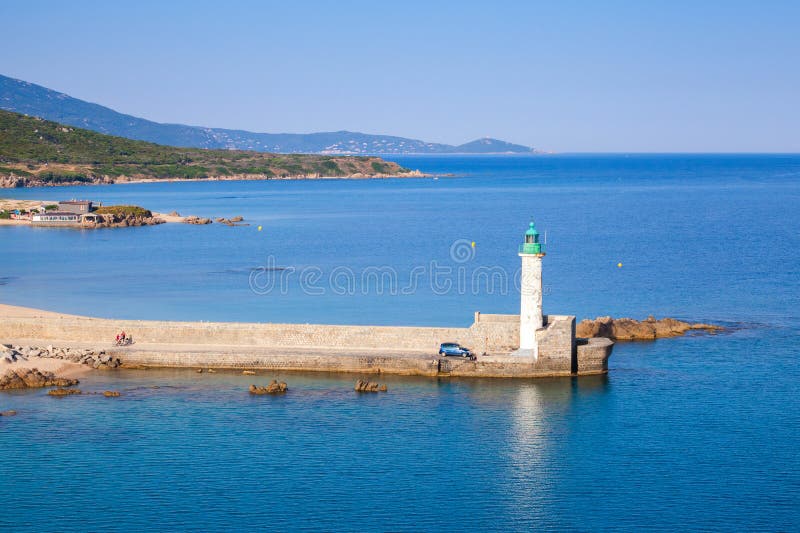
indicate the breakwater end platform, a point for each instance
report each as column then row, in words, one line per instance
column 324, row 348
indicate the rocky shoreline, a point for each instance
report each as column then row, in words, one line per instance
column 16, row 181
column 123, row 221
column 33, row 378
column 98, row 360
column 628, row 329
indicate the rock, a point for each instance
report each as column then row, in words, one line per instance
column 63, row 392
column 274, row 387
column 369, row 386
column 627, row 329
column 174, row 214
column 248, row 373
column 111, row 394
column 237, row 219
column 8, row 413
column 33, row 378
column 199, row 370
column 196, row 220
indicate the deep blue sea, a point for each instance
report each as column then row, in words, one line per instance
column 698, row 432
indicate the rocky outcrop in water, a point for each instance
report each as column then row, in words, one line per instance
column 96, row 359
column 231, row 221
column 64, row 392
column 368, row 386
column 274, row 387
column 196, row 220
column 10, row 412
column 32, row 378
column 123, row 221
column 628, row 329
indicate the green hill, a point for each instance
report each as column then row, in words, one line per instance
column 37, row 152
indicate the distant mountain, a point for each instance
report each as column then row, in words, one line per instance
column 30, row 99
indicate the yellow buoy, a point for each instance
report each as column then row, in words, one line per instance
column 473, row 244
column 259, row 228
column 619, row 265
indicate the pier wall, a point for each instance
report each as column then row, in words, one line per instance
column 488, row 335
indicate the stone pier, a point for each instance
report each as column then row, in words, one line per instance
column 317, row 347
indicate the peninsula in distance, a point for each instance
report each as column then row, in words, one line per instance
column 35, row 152
column 31, row 99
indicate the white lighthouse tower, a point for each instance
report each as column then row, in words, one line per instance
column 530, row 313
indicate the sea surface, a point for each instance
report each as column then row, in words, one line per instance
column 699, row 432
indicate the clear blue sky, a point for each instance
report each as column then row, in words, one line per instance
column 567, row 76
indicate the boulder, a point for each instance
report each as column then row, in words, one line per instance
column 111, row 394
column 8, row 413
column 274, row 387
column 369, row 386
column 33, row 378
column 237, row 219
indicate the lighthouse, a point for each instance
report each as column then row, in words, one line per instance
column 530, row 313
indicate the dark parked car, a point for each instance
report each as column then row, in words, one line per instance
column 451, row 348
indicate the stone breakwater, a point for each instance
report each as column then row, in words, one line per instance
column 319, row 347
column 95, row 359
column 628, row 329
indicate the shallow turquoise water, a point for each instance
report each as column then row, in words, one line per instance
column 697, row 432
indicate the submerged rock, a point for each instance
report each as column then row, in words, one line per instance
column 111, row 394
column 10, row 412
column 274, row 387
column 63, row 392
column 369, row 386
column 628, row 329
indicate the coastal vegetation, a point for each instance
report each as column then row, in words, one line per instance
column 123, row 211
column 37, row 152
